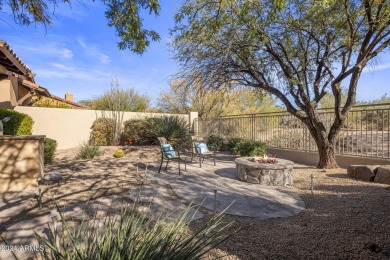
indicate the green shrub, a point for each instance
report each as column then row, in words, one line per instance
column 130, row 235
column 242, row 147
column 102, row 131
column 88, row 150
column 234, row 145
column 20, row 124
column 119, row 153
column 252, row 148
column 175, row 129
column 50, row 146
column 215, row 141
column 137, row 130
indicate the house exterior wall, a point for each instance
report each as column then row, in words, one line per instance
column 71, row 127
column 11, row 92
column 15, row 91
column 5, row 93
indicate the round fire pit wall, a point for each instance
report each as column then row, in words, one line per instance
column 270, row 174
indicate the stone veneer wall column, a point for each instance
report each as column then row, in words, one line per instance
column 21, row 161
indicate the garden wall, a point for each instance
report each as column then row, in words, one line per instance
column 71, row 127
column 312, row 158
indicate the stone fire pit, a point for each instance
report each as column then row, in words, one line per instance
column 270, row 174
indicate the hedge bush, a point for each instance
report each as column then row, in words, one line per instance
column 50, row 146
column 102, row 132
column 20, row 124
column 137, row 130
column 214, row 141
column 234, row 145
column 243, row 147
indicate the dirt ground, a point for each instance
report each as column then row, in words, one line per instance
column 343, row 219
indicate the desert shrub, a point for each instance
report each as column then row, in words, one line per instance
column 175, row 129
column 19, row 124
column 130, row 235
column 119, row 153
column 249, row 148
column 214, row 141
column 50, row 146
column 137, row 129
column 49, row 102
column 234, row 145
column 88, row 150
column 102, row 131
column 253, row 148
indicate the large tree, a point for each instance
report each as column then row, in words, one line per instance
column 297, row 50
column 124, row 15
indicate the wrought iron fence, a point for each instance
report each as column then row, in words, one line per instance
column 366, row 131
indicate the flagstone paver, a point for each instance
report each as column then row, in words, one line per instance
column 203, row 185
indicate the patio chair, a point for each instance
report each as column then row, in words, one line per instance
column 201, row 150
column 168, row 153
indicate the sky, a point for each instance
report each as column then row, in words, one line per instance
column 79, row 54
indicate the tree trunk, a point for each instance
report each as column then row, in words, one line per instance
column 326, row 142
column 326, row 151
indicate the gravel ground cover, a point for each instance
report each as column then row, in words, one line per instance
column 343, row 219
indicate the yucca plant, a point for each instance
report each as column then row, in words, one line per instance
column 131, row 235
column 173, row 128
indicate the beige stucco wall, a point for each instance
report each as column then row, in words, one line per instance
column 21, row 162
column 71, row 127
column 5, row 93
column 8, row 92
column 15, row 94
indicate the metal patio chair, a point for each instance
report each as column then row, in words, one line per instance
column 202, row 150
column 168, row 153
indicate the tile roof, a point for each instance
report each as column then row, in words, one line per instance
column 76, row 105
column 32, row 86
column 10, row 61
column 10, row 54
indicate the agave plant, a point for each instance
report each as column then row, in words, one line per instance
column 131, row 235
column 173, row 128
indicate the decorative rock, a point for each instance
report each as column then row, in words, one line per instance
column 52, row 176
column 270, row 174
column 362, row 172
column 383, row 175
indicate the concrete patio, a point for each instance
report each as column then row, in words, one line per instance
column 199, row 185
column 195, row 186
